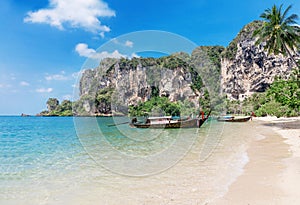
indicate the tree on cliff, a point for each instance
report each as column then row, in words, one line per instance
column 52, row 104
column 279, row 31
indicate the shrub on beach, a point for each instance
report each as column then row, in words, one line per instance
column 272, row 108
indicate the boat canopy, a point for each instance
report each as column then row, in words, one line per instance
column 160, row 118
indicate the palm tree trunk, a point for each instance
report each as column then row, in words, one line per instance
column 291, row 56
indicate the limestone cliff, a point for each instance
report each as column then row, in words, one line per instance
column 247, row 68
column 113, row 87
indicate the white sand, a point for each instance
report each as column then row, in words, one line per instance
column 290, row 178
column 273, row 174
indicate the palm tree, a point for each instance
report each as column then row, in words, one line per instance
column 280, row 32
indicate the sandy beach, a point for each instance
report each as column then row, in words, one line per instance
column 273, row 172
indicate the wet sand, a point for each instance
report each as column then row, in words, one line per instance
column 273, row 172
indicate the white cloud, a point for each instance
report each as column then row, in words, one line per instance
column 60, row 76
column 24, row 83
column 44, row 90
column 102, row 34
column 134, row 55
column 74, row 13
column 83, row 50
column 129, row 44
column 106, row 54
column 126, row 43
column 3, row 85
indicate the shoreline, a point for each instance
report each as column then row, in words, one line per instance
column 272, row 174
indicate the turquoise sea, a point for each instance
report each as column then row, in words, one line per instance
column 66, row 160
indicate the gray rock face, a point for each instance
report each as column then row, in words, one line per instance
column 252, row 69
column 135, row 84
column 176, row 84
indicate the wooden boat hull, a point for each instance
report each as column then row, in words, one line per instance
column 192, row 123
column 244, row 119
column 172, row 124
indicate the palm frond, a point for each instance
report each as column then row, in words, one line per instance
column 279, row 31
column 291, row 19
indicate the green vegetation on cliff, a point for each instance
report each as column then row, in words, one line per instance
column 104, row 99
column 158, row 106
column 206, row 60
column 56, row 109
column 246, row 33
column 177, row 60
column 281, row 99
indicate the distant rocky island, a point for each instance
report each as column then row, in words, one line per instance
column 207, row 78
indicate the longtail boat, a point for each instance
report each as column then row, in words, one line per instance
column 167, row 122
column 233, row 119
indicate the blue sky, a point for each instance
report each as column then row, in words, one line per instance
column 44, row 43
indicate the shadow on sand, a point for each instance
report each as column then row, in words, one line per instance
column 284, row 124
